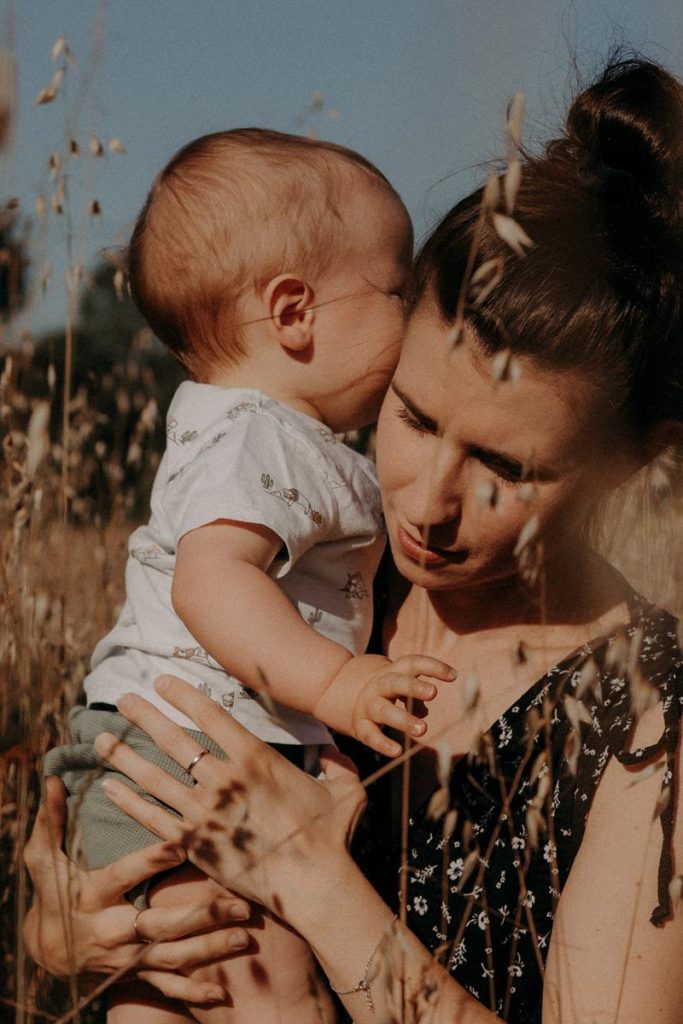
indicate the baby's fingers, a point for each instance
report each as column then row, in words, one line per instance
column 384, row 712
column 422, row 665
column 372, row 736
column 394, row 685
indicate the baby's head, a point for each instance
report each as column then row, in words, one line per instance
column 251, row 238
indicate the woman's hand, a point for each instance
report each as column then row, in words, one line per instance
column 81, row 923
column 251, row 821
column 260, row 826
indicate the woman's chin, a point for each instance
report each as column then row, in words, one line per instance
column 460, row 572
column 436, row 575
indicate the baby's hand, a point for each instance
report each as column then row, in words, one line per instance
column 376, row 705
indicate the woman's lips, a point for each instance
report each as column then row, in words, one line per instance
column 427, row 556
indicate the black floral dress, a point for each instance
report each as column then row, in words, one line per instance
column 488, row 859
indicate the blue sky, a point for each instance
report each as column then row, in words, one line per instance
column 418, row 86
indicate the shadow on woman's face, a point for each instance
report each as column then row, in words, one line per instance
column 466, row 460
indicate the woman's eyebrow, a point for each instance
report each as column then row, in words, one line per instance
column 410, row 405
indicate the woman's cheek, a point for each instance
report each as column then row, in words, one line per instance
column 548, row 506
column 394, row 454
column 498, row 523
column 505, row 526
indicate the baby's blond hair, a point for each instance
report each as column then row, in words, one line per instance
column 230, row 211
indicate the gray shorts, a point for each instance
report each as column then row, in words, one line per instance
column 97, row 831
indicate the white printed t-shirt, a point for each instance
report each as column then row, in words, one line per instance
column 237, row 454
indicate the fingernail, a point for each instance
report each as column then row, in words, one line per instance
column 162, row 684
column 238, row 912
column 453, row 672
column 175, row 855
column 214, row 995
column 238, row 940
column 418, row 728
column 109, row 786
column 105, row 743
column 125, row 703
column 430, row 690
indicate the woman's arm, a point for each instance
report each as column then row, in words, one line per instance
column 257, row 824
column 606, row 961
column 80, row 922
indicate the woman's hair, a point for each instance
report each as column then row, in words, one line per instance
column 601, row 287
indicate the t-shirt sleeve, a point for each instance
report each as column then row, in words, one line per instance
column 254, row 471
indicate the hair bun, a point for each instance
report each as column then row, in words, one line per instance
column 626, row 132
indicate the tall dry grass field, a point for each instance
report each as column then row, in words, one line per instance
column 80, row 431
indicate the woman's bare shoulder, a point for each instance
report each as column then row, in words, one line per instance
column 608, row 959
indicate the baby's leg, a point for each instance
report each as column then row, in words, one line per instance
column 274, row 981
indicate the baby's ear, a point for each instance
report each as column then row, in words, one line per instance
column 289, row 301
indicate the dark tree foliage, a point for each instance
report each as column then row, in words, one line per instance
column 118, row 367
column 13, row 261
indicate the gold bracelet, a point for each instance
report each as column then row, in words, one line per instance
column 364, row 984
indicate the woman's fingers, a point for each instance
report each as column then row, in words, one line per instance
column 338, row 768
column 209, row 716
column 149, row 776
column 48, row 831
column 175, row 986
column 164, row 824
column 117, row 878
column 172, row 923
column 341, row 777
column 177, row 956
column 173, row 740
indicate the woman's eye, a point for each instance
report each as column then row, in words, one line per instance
column 413, row 422
column 509, row 476
column 508, row 472
column 508, row 481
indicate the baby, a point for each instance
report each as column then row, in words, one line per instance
column 273, row 267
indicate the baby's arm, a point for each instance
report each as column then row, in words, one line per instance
column 224, row 596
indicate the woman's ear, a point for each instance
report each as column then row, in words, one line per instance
column 289, row 300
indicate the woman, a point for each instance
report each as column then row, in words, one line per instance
column 542, row 366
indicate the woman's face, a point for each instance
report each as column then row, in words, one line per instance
column 465, row 461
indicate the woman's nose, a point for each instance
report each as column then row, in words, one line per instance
column 436, row 495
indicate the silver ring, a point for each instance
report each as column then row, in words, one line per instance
column 138, row 935
column 195, row 760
